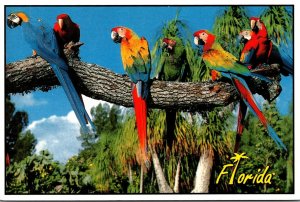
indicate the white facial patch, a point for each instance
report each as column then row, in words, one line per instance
column 196, row 40
column 113, row 34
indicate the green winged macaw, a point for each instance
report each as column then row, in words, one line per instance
column 42, row 39
column 225, row 64
column 137, row 64
column 171, row 66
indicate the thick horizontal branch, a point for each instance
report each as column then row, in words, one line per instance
column 102, row 84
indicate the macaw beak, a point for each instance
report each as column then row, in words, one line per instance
column 116, row 37
column 61, row 23
column 13, row 21
column 164, row 45
column 198, row 41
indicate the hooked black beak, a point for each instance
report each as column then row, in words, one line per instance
column 198, row 41
column 164, row 45
column 11, row 21
column 116, row 37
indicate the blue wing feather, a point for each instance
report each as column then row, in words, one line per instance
column 43, row 40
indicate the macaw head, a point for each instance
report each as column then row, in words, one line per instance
column 245, row 36
column 205, row 38
column 168, row 44
column 64, row 21
column 120, row 33
column 16, row 19
column 256, row 24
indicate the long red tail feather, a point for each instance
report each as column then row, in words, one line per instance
column 247, row 95
column 140, row 108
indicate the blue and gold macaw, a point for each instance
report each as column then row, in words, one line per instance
column 42, row 39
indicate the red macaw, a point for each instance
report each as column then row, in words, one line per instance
column 257, row 48
column 266, row 51
column 216, row 58
column 136, row 60
column 66, row 30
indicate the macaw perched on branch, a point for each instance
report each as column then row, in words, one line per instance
column 276, row 54
column 259, row 49
column 172, row 66
column 66, row 30
column 172, row 63
column 42, row 39
column 216, row 58
column 137, row 63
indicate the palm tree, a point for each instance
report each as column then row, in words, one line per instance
column 214, row 140
column 228, row 26
column 279, row 23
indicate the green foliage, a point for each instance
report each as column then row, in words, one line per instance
column 227, row 27
column 264, row 152
column 35, row 174
column 15, row 122
column 279, row 23
column 25, row 146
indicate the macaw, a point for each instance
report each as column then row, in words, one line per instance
column 267, row 51
column 136, row 60
column 172, row 67
column 66, row 30
column 172, row 62
column 216, row 58
column 42, row 39
column 257, row 48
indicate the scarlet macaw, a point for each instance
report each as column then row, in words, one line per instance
column 276, row 54
column 66, row 30
column 172, row 66
column 137, row 63
column 42, row 39
column 259, row 49
column 216, row 58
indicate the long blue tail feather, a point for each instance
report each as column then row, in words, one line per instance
column 271, row 131
column 74, row 98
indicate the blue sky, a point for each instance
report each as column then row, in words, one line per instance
column 49, row 110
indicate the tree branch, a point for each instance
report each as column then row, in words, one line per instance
column 102, row 84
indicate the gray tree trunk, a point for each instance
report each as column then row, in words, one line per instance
column 130, row 174
column 142, row 180
column 102, row 84
column 163, row 186
column 203, row 173
column 177, row 176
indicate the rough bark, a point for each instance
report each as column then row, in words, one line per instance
column 102, row 84
column 163, row 186
column 203, row 173
column 176, row 184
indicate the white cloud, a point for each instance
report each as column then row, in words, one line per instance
column 59, row 134
column 27, row 100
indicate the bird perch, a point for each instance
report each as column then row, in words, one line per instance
column 99, row 83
